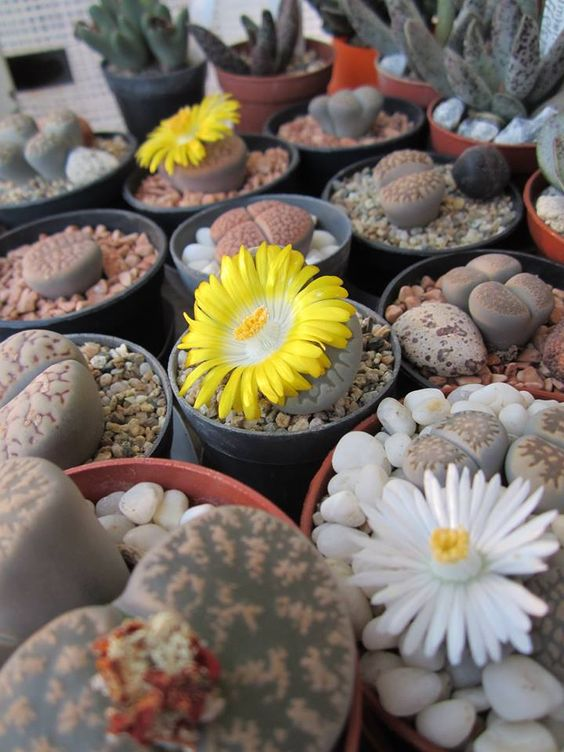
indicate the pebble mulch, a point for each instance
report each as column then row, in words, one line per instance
column 133, row 400
column 262, row 169
column 306, row 130
column 38, row 188
column 550, row 208
column 376, row 369
column 461, row 220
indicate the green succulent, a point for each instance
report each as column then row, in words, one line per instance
column 550, row 151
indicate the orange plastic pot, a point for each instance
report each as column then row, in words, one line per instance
column 418, row 92
column 521, row 158
column 262, row 96
column 549, row 242
column 353, row 66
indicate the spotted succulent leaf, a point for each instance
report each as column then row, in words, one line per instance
column 524, row 61
column 426, row 56
column 507, row 107
column 400, row 12
column 370, row 28
column 551, row 72
column 505, row 24
column 218, row 52
column 477, row 55
column 472, row 10
column 465, row 82
column 550, row 151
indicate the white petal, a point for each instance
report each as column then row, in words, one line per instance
column 418, row 627
column 475, row 640
column 456, row 630
column 531, row 530
column 515, row 616
column 440, row 620
column 480, row 520
column 398, row 615
column 397, row 590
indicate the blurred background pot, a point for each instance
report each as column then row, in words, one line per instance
column 549, row 242
column 353, row 66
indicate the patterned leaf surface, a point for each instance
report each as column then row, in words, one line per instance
column 369, row 27
column 426, row 56
column 466, row 83
column 524, row 62
column 551, row 71
column 505, row 24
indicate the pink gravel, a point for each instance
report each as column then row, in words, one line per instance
column 307, row 131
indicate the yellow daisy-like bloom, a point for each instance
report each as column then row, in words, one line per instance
column 180, row 139
column 265, row 326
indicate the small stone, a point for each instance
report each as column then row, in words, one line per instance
column 197, row 252
column 357, row 603
column 108, row 504
column 338, row 542
column 449, row 113
column 356, row 449
column 171, row 509
column 407, row 691
column 447, row 723
column 396, row 64
column 343, row 508
column 515, row 737
column 86, row 165
column 193, row 512
column 344, row 481
column 474, row 695
column 479, row 130
column 373, row 665
column 396, row 447
column 517, row 131
column 431, row 411
column 203, row 237
column 481, row 172
column 395, row 417
column 116, row 525
column 140, row 502
column 321, row 239
column 144, row 537
column 370, row 482
column 466, row 673
column 514, row 419
column 375, row 638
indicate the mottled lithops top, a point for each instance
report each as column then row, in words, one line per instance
column 496, row 266
column 399, row 163
column 413, row 200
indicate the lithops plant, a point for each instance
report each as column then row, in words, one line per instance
column 259, row 598
column 481, row 172
column 63, row 123
column 549, row 586
column 17, row 128
column 347, row 113
column 54, row 555
column 498, row 267
column 413, row 200
column 223, row 168
column 553, row 351
column 400, row 163
column 47, row 154
column 13, row 166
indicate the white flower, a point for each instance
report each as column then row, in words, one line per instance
column 442, row 563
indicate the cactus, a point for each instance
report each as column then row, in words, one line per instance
column 550, row 151
column 133, row 35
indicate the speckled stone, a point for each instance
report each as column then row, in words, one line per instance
column 434, row 453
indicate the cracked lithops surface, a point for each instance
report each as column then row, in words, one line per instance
column 549, row 586
column 223, row 168
column 400, row 163
column 435, row 454
column 62, row 264
column 498, row 267
column 54, row 555
column 502, row 317
column 413, row 200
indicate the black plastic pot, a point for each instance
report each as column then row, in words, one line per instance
column 374, row 264
column 279, row 465
column 101, row 192
column 329, row 218
column 318, row 165
column 135, row 313
column 170, row 217
column 147, row 98
column 549, row 271
column 161, row 446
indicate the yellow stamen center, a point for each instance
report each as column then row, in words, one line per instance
column 252, row 324
column 449, row 545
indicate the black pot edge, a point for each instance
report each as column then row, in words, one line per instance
column 193, row 68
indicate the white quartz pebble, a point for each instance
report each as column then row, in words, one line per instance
column 539, row 405
column 344, row 481
column 474, row 695
column 514, row 419
column 395, row 417
column 462, row 406
column 199, row 264
column 140, row 502
column 526, row 736
column 343, row 508
column 321, row 238
column 317, row 519
column 339, row 542
column 396, row 447
column 203, row 237
column 108, row 504
column 116, row 525
column 357, row 603
column 144, row 537
column 461, row 393
column 356, row 449
column 498, row 396
column 211, row 268
column 376, row 638
column 372, row 665
column 520, row 689
column 448, row 723
column 382, row 436
column 328, row 250
column 418, row 396
column 171, row 509
column 193, row 512
column 197, row 252
column 406, row 691
column 314, row 256
column 466, row 673
column 370, row 483
column 431, row 411
column 419, row 659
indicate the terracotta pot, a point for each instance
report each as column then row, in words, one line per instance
column 354, row 66
column 201, row 485
column 262, row 96
column 522, row 158
column 549, row 242
column 419, row 92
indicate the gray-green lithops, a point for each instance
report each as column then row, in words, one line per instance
column 13, row 166
column 498, row 267
column 413, row 200
column 64, row 124
column 17, row 128
column 435, row 454
column 47, row 154
column 347, row 113
column 535, row 294
column 549, row 586
column 501, row 316
column 458, row 283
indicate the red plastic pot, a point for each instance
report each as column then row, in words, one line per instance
column 354, row 66
column 522, row 158
column 549, row 242
column 262, row 96
column 419, row 92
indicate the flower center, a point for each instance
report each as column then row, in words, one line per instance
column 251, row 324
column 449, row 545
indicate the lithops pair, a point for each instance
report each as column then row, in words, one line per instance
column 50, row 405
column 274, row 221
column 410, row 188
column 260, row 599
column 222, row 169
column 349, row 113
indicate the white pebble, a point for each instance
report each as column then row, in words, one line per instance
column 382, row 436
column 193, row 512
column 407, row 691
column 144, row 537
column 520, row 689
column 447, row 723
column 317, row 519
column 356, row 449
column 515, row 737
column 171, row 509
column 418, row 396
column 464, row 407
column 539, row 405
column 474, row 695
column 370, row 483
column 116, row 525
column 396, row 447
column 419, row 659
column 357, row 603
column 514, row 419
column 211, row 268
column 199, row 265
column 314, row 256
column 395, row 417
column 375, row 638
column 343, row 508
column 431, row 411
column 108, row 504
column 463, row 392
column 203, row 237
column 373, row 665
column 526, row 397
column 328, row 250
column 321, row 238
column 446, row 683
column 344, row 481
column 140, row 502
column 339, row 542
column 466, row 673
column 196, row 252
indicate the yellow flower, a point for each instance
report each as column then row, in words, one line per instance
column 180, row 139
column 263, row 326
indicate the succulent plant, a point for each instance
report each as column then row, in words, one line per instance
column 348, row 113
column 272, row 44
column 133, row 35
column 550, row 151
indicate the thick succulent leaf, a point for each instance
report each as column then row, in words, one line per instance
column 373, row 31
column 251, row 29
column 550, row 73
column 426, row 56
column 217, row 52
column 491, row 5
column 460, row 28
column 524, row 62
column 549, row 150
column 477, row 56
column 401, row 11
column 508, row 107
column 505, row 24
column 552, row 24
column 446, row 13
column 465, row 82
column 263, row 54
column 288, row 26
column 529, row 8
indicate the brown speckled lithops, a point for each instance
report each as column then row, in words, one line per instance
column 553, row 353
column 246, row 233
column 458, row 283
column 501, row 316
column 223, row 168
column 400, row 163
column 226, row 222
column 436, row 454
column 535, row 294
column 284, row 224
column 413, row 200
column 496, row 266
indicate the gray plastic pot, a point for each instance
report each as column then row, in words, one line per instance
column 329, row 217
column 279, row 465
column 161, row 445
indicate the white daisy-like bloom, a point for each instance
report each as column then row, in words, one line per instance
column 442, row 563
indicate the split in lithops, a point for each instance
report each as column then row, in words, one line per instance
column 347, row 113
column 550, row 203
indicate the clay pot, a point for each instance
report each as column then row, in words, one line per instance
column 549, row 242
column 418, row 92
column 262, row 96
column 522, row 158
column 354, row 66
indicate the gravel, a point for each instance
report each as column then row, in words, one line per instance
column 307, row 131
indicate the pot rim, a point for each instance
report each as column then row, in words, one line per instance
column 155, row 75
column 535, row 183
column 423, row 85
